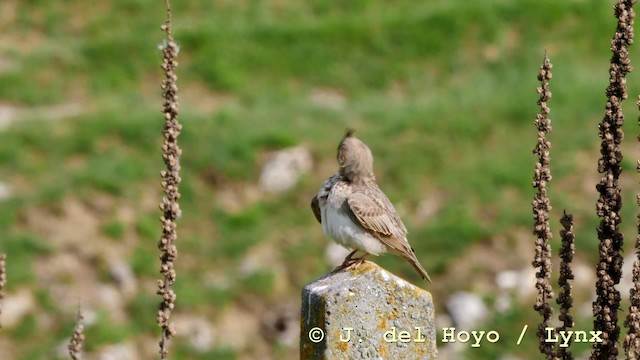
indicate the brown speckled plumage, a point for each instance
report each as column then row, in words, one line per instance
column 355, row 213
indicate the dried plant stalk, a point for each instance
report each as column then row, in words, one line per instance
column 609, row 270
column 77, row 339
column 541, row 208
column 170, row 181
column 3, row 280
column 565, row 298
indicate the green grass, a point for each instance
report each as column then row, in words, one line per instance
column 139, row 309
column 442, row 91
column 114, row 229
column 260, row 282
column 105, row 331
column 22, row 250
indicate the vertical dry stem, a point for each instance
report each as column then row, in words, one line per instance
column 541, row 208
column 77, row 339
column 170, row 181
column 565, row 298
column 609, row 269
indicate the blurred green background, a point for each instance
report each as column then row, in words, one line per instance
column 442, row 91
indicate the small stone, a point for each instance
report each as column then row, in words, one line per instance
column 328, row 99
column 123, row 351
column 507, row 280
column 7, row 115
column 283, row 169
column 467, row 310
column 199, row 332
column 124, row 276
column 16, row 306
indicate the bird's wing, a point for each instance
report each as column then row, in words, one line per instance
column 375, row 213
column 372, row 209
column 315, row 207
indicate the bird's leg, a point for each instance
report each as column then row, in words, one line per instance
column 348, row 261
column 356, row 262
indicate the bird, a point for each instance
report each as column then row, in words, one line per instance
column 355, row 213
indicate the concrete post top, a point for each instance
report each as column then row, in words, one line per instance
column 365, row 272
column 366, row 313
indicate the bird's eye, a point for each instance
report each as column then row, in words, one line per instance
column 340, row 156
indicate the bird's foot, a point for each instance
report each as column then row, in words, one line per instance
column 355, row 263
column 350, row 263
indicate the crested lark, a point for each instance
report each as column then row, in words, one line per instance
column 355, row 213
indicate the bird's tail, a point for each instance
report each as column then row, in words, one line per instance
column 416, row 264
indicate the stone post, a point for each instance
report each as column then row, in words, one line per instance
column 366, row 313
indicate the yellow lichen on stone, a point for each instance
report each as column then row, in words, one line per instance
column 363, row 304
column 343, row 346
column 383, row 350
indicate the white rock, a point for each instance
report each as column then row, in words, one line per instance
column 526, row 282
column 197, row 330
column 509, row 282
column 125, row 351
column 467, row 310
column 124, row 276
column 508, row 279
column 328, row 99
column 5, row 191
column 283, row 169
column 16, row 306
column 7, row 115
column 585, row 275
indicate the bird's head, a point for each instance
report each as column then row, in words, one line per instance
column 355, row 159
